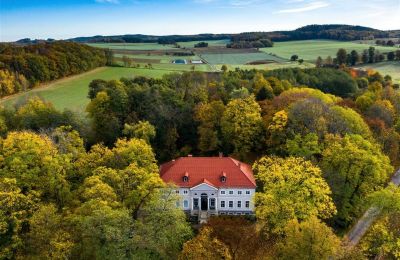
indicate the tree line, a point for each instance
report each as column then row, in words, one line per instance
column 24, row 67
column 353, row 58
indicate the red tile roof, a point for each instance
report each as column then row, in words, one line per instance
column 208, row 170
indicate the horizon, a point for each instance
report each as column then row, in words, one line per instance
column 62, row 19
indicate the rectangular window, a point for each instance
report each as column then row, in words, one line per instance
column 239, row 192
column 239, row 204
column 212, row 204
column 222, row 192
column 231, row 192
column 247, row 192
column 247, row 204
column 222, row 203
column 185, row 192
column 195, row 203
column 185, row 204
column 231, row 204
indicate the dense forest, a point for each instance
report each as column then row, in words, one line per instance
column 24, row 67
column 323, row 144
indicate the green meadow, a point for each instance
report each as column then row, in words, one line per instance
column 71, row 93
column 239, row 58
column 309, row 50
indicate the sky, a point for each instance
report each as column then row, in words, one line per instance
column 62, row 19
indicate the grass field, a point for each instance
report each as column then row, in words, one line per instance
column 270, row 66
column 391, row 68
column 309, row 50
column 161, row 58
column 238, row 58
column 216, row 43
column 133, row 46
column 72, row 92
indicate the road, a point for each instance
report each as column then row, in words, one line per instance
column 364, row 223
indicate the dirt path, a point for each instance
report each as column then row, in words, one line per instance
column 364, row 223
column 52, row 83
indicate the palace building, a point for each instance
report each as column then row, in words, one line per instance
column 211, row 185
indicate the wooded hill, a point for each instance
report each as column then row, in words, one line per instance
column 329, row 31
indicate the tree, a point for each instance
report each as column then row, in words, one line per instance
column 294, row 57
column 162, row 227
column 341, row 56
column 34, row 162
column 142, row 130
column 398, row 55
column 319, row 62
column 354, row 57
column 391, row 56
column 290, row 188
column 241, row 125
column 127, row 61
column 306, row 147
column 371, row 54
column 209, row 116
column 224, row 68
column 47, row 238
column 310, row 239
column 203, row 246
column 329, row 61
column 354, row 168
column 15, row 210
column 102, row 231
column 240, row 235
column 365, row 56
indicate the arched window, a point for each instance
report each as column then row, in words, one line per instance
column 185, row 178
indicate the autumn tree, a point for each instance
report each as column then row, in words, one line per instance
column 291, row 188
column 204, row 246
column 241, row 125
column 310, row 239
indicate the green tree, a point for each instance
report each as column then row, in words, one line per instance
column 142, row 130
column 354, row 168
column 290, row 188
column 209, row 116
column 341, row 56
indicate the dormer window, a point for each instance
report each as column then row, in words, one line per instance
column 186, row 177
column 223, row 177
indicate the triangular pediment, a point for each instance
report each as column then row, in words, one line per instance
column 203, row 187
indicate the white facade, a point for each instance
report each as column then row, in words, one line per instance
column 223, row 201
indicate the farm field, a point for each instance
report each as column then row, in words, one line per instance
column 238, row 58
column 309, row 50
column 270, row 66
column 142, row 58
column 71, row 93
column 133, row 46
column 216, row 43
column 391, row 68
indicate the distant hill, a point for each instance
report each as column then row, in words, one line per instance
column 328, row 31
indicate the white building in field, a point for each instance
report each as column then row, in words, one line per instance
column 211, row 185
